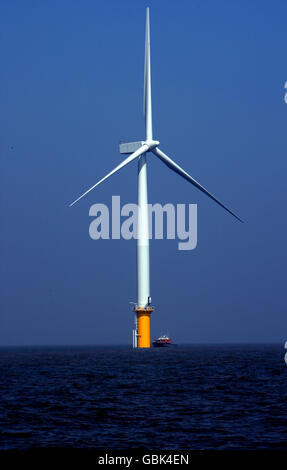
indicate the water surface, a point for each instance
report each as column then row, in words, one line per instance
column 190, row 397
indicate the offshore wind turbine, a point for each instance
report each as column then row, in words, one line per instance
column 138, row 151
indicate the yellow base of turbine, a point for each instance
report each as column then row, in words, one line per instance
column 143, row 326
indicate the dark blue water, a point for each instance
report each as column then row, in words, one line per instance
column 197, row 397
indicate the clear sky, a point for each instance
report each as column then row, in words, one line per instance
column 71, row 89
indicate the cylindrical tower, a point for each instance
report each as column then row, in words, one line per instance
column 143, row 309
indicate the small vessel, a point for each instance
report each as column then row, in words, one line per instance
column 163, row 342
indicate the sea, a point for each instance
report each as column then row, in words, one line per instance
column 217, row 397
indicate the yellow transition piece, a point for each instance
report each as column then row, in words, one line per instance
column 143, row 329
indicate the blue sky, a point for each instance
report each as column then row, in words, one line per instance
column 71, row 89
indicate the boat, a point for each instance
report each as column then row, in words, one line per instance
column 163, row 342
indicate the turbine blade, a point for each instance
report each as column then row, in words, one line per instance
column 147, row 81
column 173, row 166
column 134, row 155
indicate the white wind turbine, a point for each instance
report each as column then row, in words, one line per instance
column 139, row 150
